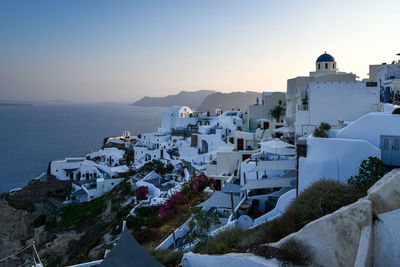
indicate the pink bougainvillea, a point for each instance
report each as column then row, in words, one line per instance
column 189, row 190
column 141, row 192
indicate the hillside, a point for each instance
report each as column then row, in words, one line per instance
column 191, row 99
column 228, row 100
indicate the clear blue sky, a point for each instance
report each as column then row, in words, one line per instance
column 122, row 50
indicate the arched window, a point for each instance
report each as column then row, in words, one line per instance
column 326, row 65
column 319, row 66
column 333, row 65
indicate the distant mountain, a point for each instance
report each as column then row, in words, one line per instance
column 4, row 102
column 184, row 98
column 227, row 101
column 8, row 103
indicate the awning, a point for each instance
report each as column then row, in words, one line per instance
column 269, row 183
column 128, row 252
column 275, row 165
column 229, row 187
column 220, row 200
column 284, row 130
column 278, row 147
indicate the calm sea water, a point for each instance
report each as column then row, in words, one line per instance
column 32, row 136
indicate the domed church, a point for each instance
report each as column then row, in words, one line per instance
column 325, row 62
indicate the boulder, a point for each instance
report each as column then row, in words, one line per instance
column 385, row 194
column 387, row 239
column 333, row 240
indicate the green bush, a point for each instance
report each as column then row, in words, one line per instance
column 222, row 248
column 146, row 211
column 167, row 257
column 200, row 225
column 277, row 112
column 77, row 213
column 144, row 216
column 321, row 198
column 129, row 159
column 322, row 130
column 157, row 166
column 295, row 252
column 304, row 101
column 325, row 126
column 370, row 171
column 135, row 222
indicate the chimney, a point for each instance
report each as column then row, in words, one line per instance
column 340, row 123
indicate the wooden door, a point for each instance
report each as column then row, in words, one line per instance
column 240, row 144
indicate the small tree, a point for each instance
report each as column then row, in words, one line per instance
column 200, row 225
column 318, row 132
column 304, row 102
column 322, row 130
column 129, row 159
column 371, row 170
column 276, row 113
column 325, row 126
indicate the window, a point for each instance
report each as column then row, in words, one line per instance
column 333, row 65
column 326, row 65
column 280, row 102
column 319, row 66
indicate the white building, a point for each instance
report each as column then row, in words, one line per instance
column 110, row 156
column 75, row 169
column 326, row 70
column 388, row 79
column 330, row 101
column 339, row 157
column 88, row 191
column 261, row 110
column 178, row 117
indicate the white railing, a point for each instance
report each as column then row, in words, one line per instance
column 87, row 264
column 280, row 207
column 179, row 233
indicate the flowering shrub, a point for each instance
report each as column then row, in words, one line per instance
column 190, row 191
column 141, row 192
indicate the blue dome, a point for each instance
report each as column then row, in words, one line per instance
column 325, row 58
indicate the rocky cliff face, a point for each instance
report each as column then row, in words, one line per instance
column 33, row 214
column 16, row 226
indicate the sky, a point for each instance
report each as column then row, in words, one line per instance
column 94, row 50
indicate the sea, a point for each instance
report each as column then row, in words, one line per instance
column 32, row 136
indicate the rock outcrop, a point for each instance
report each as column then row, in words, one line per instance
column 365, row 233
column 387, row 239
column 350, row 237
column 15, row 227
column 334, row 239
column 385, row 194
